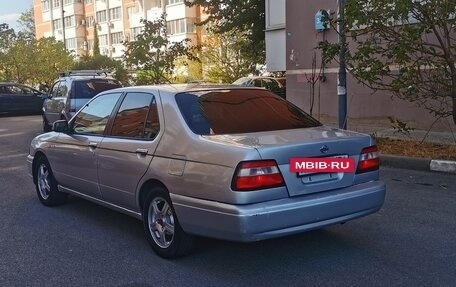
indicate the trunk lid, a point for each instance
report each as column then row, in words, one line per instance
column 313, row 142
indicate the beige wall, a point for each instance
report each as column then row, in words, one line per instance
column 301, row 40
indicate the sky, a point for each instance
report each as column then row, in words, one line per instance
column 11, row 10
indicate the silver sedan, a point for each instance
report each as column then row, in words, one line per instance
column 232, row 163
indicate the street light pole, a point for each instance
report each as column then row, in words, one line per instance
column 63, row 23
column 342, row 75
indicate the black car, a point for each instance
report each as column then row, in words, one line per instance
column 20, row 99
column 269, row 83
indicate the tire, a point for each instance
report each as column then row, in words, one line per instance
column 46, row 185
column 46, row 126
column 162, row 228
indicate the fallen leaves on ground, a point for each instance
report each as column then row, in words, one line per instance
column 413, row 148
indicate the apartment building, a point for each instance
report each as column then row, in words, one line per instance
column 76, row 22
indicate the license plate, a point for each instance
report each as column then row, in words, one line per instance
column 301, row 174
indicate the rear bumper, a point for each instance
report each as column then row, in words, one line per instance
column 277, row 218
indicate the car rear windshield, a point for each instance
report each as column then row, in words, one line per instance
column 87, row 89
column 240, row 111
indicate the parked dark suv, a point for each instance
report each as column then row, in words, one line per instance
column 72, row 91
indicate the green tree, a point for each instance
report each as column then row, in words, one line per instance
column 154, row 53
column 222, row 58
column 34, row 61
column 7, row 39
column 101, row 62
column 27, row 23
column 49, row 59
column 404, row 47
column 96, row 41
column 239, row 16
column 18, row 65
column 30, row 61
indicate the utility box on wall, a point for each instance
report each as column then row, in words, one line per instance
column 321, row 20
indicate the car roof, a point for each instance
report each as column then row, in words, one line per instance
column 259, row 77
column 182, row 88
column 16, row 84
column 86, row 74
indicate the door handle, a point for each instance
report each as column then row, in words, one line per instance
column 142, row 151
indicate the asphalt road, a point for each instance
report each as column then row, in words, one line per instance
column 410, row 242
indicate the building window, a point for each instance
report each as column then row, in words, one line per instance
column 90, row 44
column 131, row 11
column 103, row 40
column 89, row 21
column 71, row 44
column 117, row 38
column 69, row 21
column 101, row 16
column 135, row 32
column 155, row 4
column 45, row 5
column 171, row 2
column 66, row 2
column 114, row 13
column 176, row 26
column 55, row 3
column 57, row 24
column 191, row 27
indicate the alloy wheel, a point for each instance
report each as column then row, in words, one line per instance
column 161, row 222
column 43, row 181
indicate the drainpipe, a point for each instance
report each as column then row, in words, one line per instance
column 108, row 19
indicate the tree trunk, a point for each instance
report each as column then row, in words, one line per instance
column 454, row 108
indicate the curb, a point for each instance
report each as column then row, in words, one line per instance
column 423, row 164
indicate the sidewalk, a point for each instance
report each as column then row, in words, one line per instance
column 383, row 129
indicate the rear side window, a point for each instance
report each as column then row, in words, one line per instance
column 88, row 88
column 240, row 111
column 137, row 117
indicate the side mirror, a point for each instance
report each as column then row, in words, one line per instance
column 60, row 126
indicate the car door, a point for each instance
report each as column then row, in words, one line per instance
column 126, row 152
column 73, row 155
column 31, row 101
column 5, row 100
column 17, row 101
column 56, row 101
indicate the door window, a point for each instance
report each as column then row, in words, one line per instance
column 137, row 117
column 14, row 90
column 92, row 119
column 59, row 89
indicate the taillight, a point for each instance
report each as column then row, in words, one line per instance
column 368, row 160
column 254, row 175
